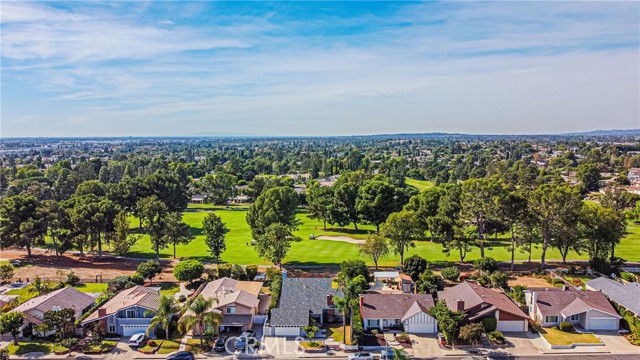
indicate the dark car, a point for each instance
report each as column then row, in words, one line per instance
column 220, row 344
column 243, row 339
column 181, row 355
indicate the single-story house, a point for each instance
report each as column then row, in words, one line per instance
column 300, row 300
column 589, row 309
column 241, row 303
column 65, row 298
column 478, row 302
column 129, row 312
column 625, row 295
column 394, row 311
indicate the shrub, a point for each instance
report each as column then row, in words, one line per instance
column 499, row 280
column 484, row 280
column 72, row 279
column 487, row 264
column 149, row 269
column 182, row 298
column 6, row 273
column 628, row 276
column 577, row 282
column 212, row 273
column 69, row 343
column 489, row 324
column 555, row 281
column 414, row 266
column 152, row 343
column 251, row 271
column 517, row 293
column 188, row 270
column 137, row 279
column 565, row 326
column 496, row 336
column 403, row 337
column 451, row 273
column 224, row 270
column 472, row 333
column 119, row 283
column 238, row 273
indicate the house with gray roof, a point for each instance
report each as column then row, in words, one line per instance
column 409, row 312
column 625, row 295
column 303, row 299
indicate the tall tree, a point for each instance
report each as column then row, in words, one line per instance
column 276, row 205
column 176, row 231
column 275, row 242
column 514, row 208
column 401, row 228
column 163, row 316
column 374, row 247
column 154, row 211
column 480, row 199
column 122, row 240
column 11, row 323
column 376, row 201
column 215, row 231
column 425, row 206
column 552, row 204
column 20, row 222
column 319, row 199
column 589, row 176
column 219, row 188
column 200, row 315
column 601, row 229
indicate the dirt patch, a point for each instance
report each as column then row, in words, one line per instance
column 88, row 267
column 529, row 281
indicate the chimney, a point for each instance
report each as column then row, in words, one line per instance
column 102, row 312
column 460, row 305
column 284, row 273
column 329, row 300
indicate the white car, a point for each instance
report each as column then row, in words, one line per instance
column 136, row 340
column 361, row 356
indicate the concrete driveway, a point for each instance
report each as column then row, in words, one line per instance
column 425, row 345
column 616, row 343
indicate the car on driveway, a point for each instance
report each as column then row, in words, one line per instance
column 361, row 356
column 136, row 340
column 243, row 339
column 181, row 355
column 221, row 341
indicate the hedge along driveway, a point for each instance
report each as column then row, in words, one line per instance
column 324, row 252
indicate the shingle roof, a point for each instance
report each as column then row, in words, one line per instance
column 394, row 306
column 570, row 303
column 236, row 319
column 474, row 295
column 147, row 298
column 627, row 295
column 65, row 298
column 300, row 297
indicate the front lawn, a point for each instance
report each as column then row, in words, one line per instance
column 337, row 333
column 168, row 289
column 25, row 347
column 193, row 345
column 98, row 348
column 557, row 337
column 169, row 346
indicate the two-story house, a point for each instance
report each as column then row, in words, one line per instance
column 129, row 312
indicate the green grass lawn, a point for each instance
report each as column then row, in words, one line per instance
column 92, row 288
column 557, row 337
column 337, row 333
column 311, row 252
column 25, row 293
column 25, row 347
column 193, row 345
column 169, row 346
column 168, row 289
column 419, row 184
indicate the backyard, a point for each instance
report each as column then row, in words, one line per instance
column 28, row 292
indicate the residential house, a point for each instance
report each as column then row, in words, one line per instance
column 478, row 302
column 589, row 309
column 634, row 175
column 409, row 312
column 129, row 312
column 65, row 298
column 302, row 299
column 7, row 299
column 625, row 295
column 391, row 282
column 240, row 302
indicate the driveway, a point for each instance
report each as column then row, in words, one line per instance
column 425, row 345
column 616, row 343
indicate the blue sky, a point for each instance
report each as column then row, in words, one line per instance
column 317, row 68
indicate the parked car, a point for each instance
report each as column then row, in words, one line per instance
column 137, row 340
column 220, row 343
column 241, row 343
column 361, row 356
column 389, row 355
column 16, row 263
column 181, row 355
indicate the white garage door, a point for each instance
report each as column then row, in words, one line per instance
column 128, row 330
column 603, row 324
column 287, row 331
column 420, row 328
column 511, row 326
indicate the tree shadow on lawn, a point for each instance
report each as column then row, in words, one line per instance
column 195, row 231
column 347, row 231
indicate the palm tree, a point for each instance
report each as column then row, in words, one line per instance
column 163, row 315
column 201, row 314
column 39, row 287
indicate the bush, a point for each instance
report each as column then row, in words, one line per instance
column 149, row 269
column 628, row 276
column 555, row 281
column 69, row 343
column 496, row 337
column 472, row 333
column 137, row 279
column 224, row 270
column 188, row 270
column 182, row 298
column 565, row 326
column 6, row 273
column 517, row 293
column 414, row 266
column 489, row 324
column 238, row 273
column 487, row 264
column 499, row 280
column 152, row 343
column 251, row 271
column 72, row 279
column 451, row 273
column 484, row 280
column 119, row 283
column 403, row 337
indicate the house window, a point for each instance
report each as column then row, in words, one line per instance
column 575, row 317
column 231, row 309
column 112, row 328
column 373, row 323
column 131, row 313
column 551, row 319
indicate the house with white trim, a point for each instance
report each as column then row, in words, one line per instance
column 407, row 312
